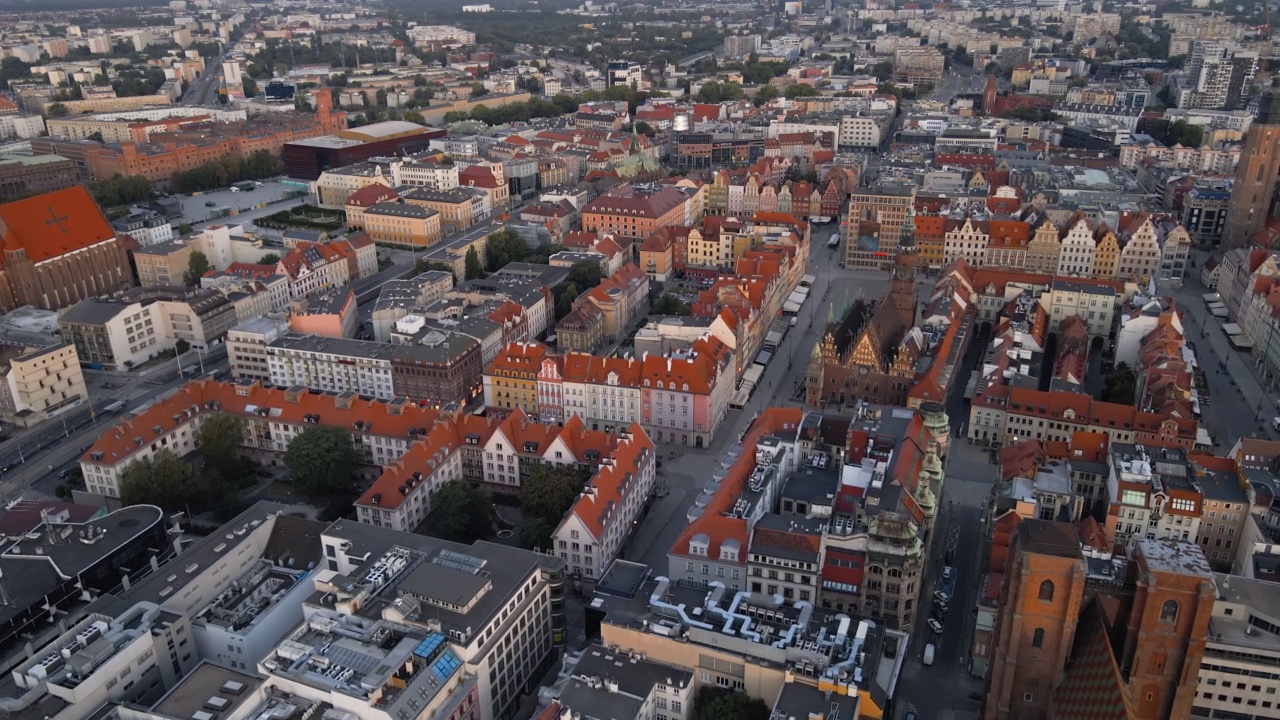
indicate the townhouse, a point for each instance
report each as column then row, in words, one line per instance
column 680, row 398
column 511, row 378
column 592, row 533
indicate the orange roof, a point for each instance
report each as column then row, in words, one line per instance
column 279, row 405
column 616, row 479
column 371, row 195
column 712, row 522
column 518, row 358
column 53, row 224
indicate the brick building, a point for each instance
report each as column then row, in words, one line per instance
column 633, row 212
column 185, row 148
column 58, row 250
column 27, row 174
column 1048, row 659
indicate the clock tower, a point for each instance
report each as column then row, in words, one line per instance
column 902, row 290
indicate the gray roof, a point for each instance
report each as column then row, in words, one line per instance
column 287, row 541
column 455, row 195
column 333, row 346
column 92, row 312
column 408, row 210
column 599, row 702
column 43, row 566
column 634, row 676
column 507, row 568
column 207, row 680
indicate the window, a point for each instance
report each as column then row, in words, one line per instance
column 1037, row 638
column 1046, row 591
column 1169, row 611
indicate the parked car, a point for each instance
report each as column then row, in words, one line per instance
column 935, row 626
column 941, row 597
column 948, row 572
column 210, row 203
column 928, row 654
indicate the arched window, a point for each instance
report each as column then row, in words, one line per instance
column 1169, row 611
column 1037, row 638
column 1046, row 591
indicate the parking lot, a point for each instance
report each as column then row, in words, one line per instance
column 209, row 205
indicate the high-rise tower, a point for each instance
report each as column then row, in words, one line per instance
column 1255, row 173
column 903, row 287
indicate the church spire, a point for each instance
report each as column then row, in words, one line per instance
column 907, row 238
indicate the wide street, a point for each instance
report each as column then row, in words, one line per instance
column 1240, row 404
column 204, row 91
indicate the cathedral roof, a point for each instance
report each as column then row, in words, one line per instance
column 53, row 224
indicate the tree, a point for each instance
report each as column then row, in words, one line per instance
column 56, row 110
column 181, row 347
column 1121, row 384
column 184, row 229
column 586, row 274
column 645, row 128
column 882, row 70
column 669, row 304
column 95, row 136
column 478, row 90
column 550, row 490
column 323, row 462
column 714, row 703
column 537, row 534
column 414, row 116
column 798, row 90
column 12, row 68
column 473, row 268
column 505, row 247
column 565, row 294
column 462, row 513
column 121, row 190
column 250, row 86
column 765, row 94
column 197, row 266
column 163, row 479
column 269, row 259
column 219, row 439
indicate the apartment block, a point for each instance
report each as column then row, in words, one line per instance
column 39, row 382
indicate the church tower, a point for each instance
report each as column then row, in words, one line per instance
column 1255, row 181
column 902, row 291
column 989, row 96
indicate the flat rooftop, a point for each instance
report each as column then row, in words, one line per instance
column 1175, row 556
column 207, row 687
column 505, row 571
column 816, row 644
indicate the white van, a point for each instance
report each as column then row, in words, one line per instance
column 928, row 654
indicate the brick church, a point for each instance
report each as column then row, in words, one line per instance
column 57, row 249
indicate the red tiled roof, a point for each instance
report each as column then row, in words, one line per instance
column 712, row 522
column 371, row 195
column 379, row 417
column 52, row 224
column 614, row 481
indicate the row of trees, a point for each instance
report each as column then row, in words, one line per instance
column 121, row 190
column 228, row 169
